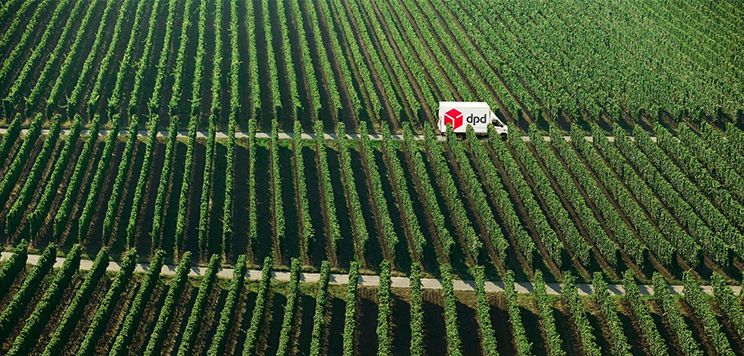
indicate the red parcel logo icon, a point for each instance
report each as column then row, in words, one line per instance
column 454, row 118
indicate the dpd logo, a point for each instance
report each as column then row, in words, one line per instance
column 454, row 118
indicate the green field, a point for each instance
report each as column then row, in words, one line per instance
column 299, row 135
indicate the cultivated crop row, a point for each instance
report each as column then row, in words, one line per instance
column 150, row 313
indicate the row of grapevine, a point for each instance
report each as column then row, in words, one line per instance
column 5, row 7
column 112, row 208
column 79, row 301
column 655, row 242
column 153, row 103
column 352, row 196
column 365, row 75
column 24, row 294
column 345, row 73
column 255, row 89
column 71, row 192
column 319, row 316
column 96, row 328
column 405, row 85
column 625, row 237
column 125, row 65
column 727, row 150
column 688, row 164
column 395, row 38
column 447, row 30
column 161, row 193
column 35, row 323
column 713, row 188
column 289, row 67
column 523, row 345
column 17, row 20
column 618, row 340
column 306, row 60
column 488, row 337
column 407, row 29
column 233, row 79
column 679, row 327
column 203, row 229
column 417, row 311
column 555, row 209
column 693, row 197
column 326, row 188
column 193, row 121
column 290, row 308
column 384, row 345
column 228, row 311
column 174, row 113
column 12, row 266
column 53, row 180
column 31, row 22
column 183, row 195
column 104, row 68
column 430, row 40
column 372, row 54
column 12, row 220
column 134, row 315
column 545, row 232
column 398, row 179
column 61, row 82
column 444, row 180
column 259, row 309
column 307, row 233
column 640, row 310
column 276, row 187
column 735, row 137
column 73, row 99
column 685, row 245
column 178, row 68
column 350, row 311
column 15, row 93
column 486, row 73
column 716, row 165
column 475, row 192
column 425, row 184
column 728, row 302
column 270, row 58
column 86, row 216
column 322, row 55
column 607, row 247
column 552, row 337
column 576, row 308
column 215, row 107
column 175, row 289
column 704, row 312
column 252, row 209
column 495, row 186
column 378, row 200
column 11, row 175
column 197, row 311
column 11, row 134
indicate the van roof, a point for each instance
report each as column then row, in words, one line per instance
column 464, row 104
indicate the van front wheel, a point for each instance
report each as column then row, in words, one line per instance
column 503, row 137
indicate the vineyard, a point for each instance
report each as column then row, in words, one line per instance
column 279, row 138
column 186, row 62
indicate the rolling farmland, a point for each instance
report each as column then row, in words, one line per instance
column 299, row 137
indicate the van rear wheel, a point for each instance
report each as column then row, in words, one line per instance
column 503, row 137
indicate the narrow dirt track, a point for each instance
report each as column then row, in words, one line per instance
column 366, row 280
column 267, row 135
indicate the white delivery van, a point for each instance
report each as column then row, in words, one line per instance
column 463, row 114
